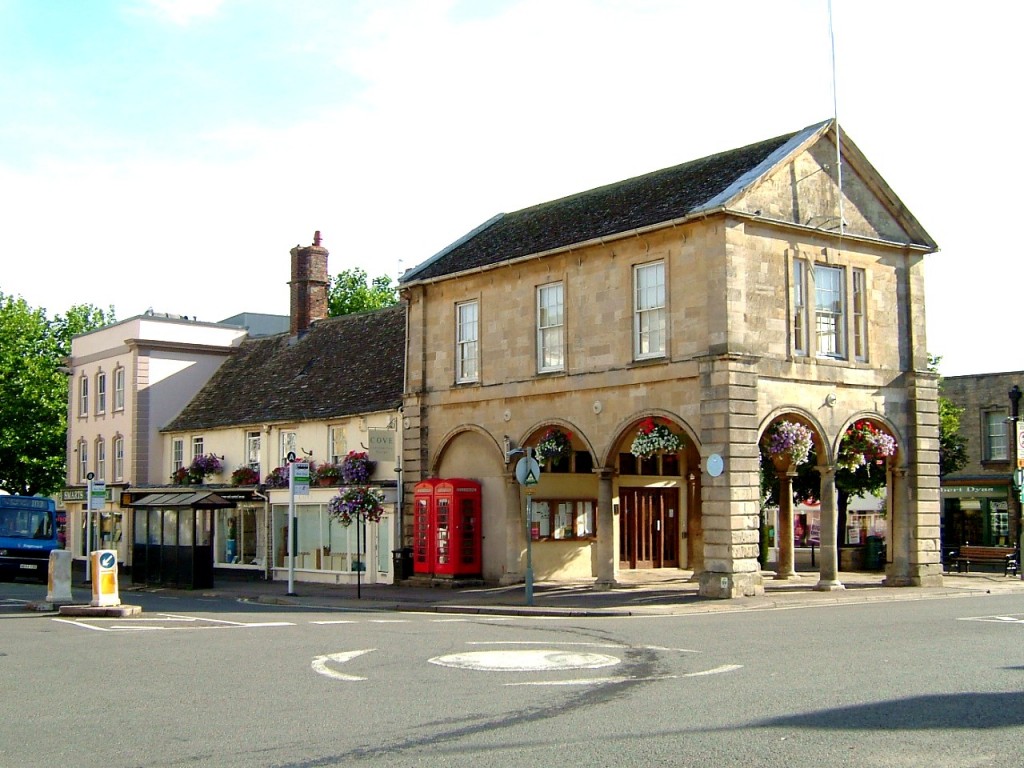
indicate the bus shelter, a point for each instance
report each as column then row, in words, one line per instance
column 173, row 538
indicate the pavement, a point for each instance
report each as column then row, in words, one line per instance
column 641, row 592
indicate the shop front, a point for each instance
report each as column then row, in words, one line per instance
column 327, row 550
column 975, row 513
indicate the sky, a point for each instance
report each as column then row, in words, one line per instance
column 168, row 154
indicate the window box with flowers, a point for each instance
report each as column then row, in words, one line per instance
column 356, row 502
column 653, row 438
column 357, row 468
column 197, row 472
column 245, row 476
column 327, row 474
column 862, row 444
column 789, row 443
column 277, row 478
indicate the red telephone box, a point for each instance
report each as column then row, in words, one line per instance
column 447, row 535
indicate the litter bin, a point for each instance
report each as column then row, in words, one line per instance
column 402, row 560
column 873, row 553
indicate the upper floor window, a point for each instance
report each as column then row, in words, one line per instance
column 177, row 454
column 253, row 444
column 197, row 446
column 338, row 444
column 83, row 460
column 996, row 446
column 649, row 310
column 467, row 337
column 799, row 307
column 860, row 316
column 101, row 459
column 829, row 311
column 550, row 327
column 83, row 395
column 119, row 389
column 101, row 393
column 118, row 458
column 289, row 444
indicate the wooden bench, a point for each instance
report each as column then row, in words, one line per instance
column 969, row 555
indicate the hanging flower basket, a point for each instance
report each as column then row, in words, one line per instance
column 864, row 443
column 653, row 438
column 356, row 468
column 789, row 441
column 245, row 476
column 357, row 501
column 555, row 444
column 205, row 465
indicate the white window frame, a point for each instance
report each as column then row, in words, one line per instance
column 799, row 327
column 253, row 449
column 118, row 458
column 198, row 446
column 101, row 393
column 289, row 444
column 83, row 460
column 994, row 422
column 177, row 454
column 859, row 314
column 467, row 342
column 101, row 459
column 830, row 311
column 83, row 395
column 649, row 311
column 337, row 444
column 119, row 388
column 551, row 327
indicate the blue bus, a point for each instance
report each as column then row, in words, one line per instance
column 28, row 533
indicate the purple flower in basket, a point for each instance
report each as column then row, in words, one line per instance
column 356, row 468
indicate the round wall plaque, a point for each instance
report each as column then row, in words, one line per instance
column 715, row 465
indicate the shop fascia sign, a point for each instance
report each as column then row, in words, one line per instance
column 972, row 490
column 78, row 494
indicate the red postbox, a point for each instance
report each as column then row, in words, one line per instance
column 447, row 536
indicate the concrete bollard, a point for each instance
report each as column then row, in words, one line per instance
column 58, row 578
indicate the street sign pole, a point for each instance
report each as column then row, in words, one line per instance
column 88, row 528
column 528, row 475
column 291, row 524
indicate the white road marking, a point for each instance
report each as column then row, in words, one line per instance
column 338, row 621
column 320, row 663
column 716, row 670
column 1017, row 618
column 540, row 660
column 389, row 621
column 608, row 680
column 82, row 624
column 589, row 645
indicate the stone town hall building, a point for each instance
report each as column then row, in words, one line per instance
column 716, row 297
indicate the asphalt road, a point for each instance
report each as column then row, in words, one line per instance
column 214, row 682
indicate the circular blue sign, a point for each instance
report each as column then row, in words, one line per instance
column 107, row 560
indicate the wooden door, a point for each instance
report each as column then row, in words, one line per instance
column 648, row 527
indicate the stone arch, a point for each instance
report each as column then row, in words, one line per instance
column 449, row 438
column 879, row 420
column 822, row 445
column 576, row 432
column 630, row 423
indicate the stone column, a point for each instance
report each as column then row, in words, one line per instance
column 897, row 570
column 605, row 549
column 828, row 571
column 515, row 532
column 785, row 531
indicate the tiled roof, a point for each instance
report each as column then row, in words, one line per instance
column 647, row 200
column 341, row 366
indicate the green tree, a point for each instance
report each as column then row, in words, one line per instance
column 351, row 291
column 952, row 444
column 34, row 392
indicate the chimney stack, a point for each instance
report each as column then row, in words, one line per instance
column 309, row 285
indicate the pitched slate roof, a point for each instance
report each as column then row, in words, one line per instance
column 341, row 366
column 654, row 198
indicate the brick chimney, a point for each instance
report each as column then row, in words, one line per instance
column 309, row 285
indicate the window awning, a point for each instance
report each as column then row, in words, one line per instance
column 191, row 499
